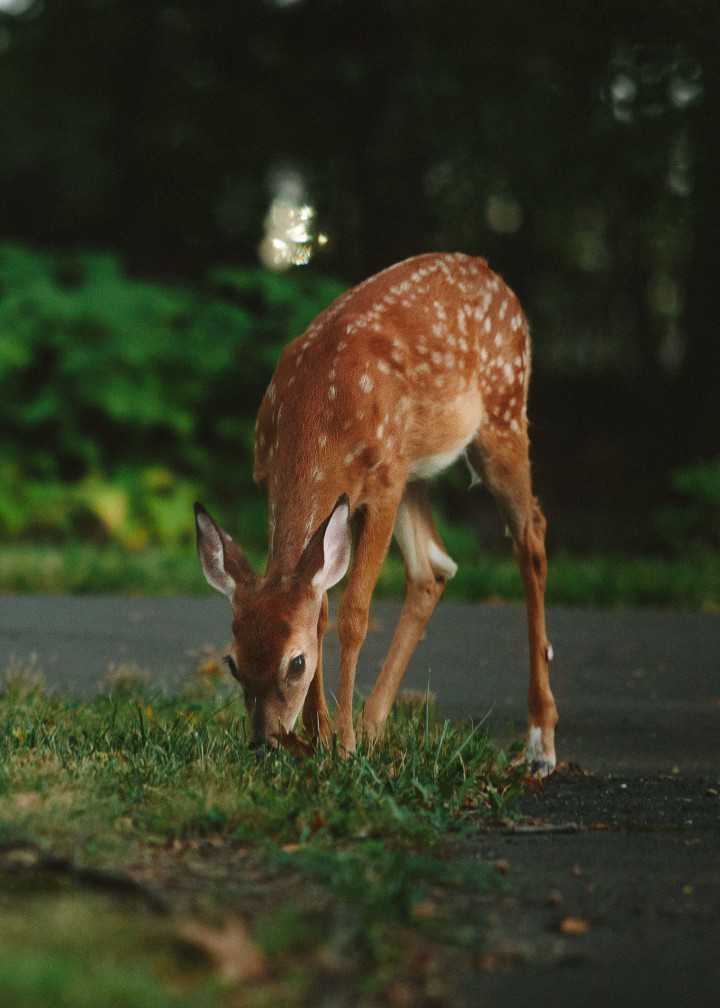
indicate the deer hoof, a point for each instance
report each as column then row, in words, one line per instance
column 346, row 742
column 540, row 761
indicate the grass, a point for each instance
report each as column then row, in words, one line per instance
column 608, row 580
column 276, row 876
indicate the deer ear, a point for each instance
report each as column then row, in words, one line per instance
column 327, row 556
column 224, row 566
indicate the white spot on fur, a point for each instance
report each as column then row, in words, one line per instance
column 357, row 450
column 366, row 383
column 332, row 392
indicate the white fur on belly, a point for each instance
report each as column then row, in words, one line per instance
column 431, row 465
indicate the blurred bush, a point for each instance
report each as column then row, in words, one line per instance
column 693, row 520
column 121, row 400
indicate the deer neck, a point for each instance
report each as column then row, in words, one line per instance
column 296, row 508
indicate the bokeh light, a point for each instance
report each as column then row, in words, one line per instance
column 290, row 235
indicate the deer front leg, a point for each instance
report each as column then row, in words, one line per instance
column 427, row 570
column 373, row 539
column 315, row 713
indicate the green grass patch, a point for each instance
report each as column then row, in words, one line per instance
column 609, row 580
column 130, row 767
column 340, row 865
column 77, row 950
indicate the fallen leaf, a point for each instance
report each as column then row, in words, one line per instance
column 290, row 848
column 26, row 800
column 424, row 910
column 570, row 769
column 20, row 857
column 502, row 865
column 317, row 821
column 234, row 953
column 210, row 667
column 401, row 994
column 574, row 926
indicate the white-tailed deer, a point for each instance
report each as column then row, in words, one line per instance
column 388, row 386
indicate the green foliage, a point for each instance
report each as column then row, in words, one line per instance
column 694, row 521
column 120, row 399
column 607, row 580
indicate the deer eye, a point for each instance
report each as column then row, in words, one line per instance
column 230, row 662
column 296, row 666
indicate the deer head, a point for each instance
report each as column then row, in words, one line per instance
column 275, row 619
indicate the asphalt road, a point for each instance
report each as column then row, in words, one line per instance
column 629, row 834
column 637, row 690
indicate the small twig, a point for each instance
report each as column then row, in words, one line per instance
column 529, row 829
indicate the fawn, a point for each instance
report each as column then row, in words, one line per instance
column 396, row 379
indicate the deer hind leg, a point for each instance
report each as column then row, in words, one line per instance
column 374, row 531
column 315, row 712
column 427, row 570
column 505, row 466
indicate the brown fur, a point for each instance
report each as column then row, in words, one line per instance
column 388, row 385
